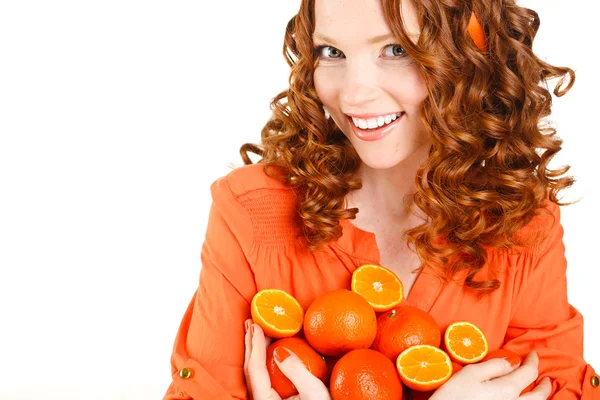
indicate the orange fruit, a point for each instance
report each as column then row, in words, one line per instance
column 424, row 367
column 310, row 358
column 465, row 342
column 365, row 374
column 277, row 312
column 339, row 321
column 416, row 395
column 379, row 286
column 402, row 327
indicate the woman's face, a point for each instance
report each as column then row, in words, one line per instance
column 364, row 73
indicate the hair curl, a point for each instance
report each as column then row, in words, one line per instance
column 490, row 146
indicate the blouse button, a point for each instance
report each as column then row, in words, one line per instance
column 595, row 381
column 185, row 373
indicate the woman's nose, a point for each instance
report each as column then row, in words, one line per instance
column 359, row 85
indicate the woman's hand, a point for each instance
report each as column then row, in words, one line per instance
column 257, row 377
column 495, row 379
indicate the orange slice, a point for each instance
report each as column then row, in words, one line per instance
column 379, row 286
column 424, row 367
column 465, row 342
column 277, row 312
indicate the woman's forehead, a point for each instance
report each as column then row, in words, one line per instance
column 364, row 18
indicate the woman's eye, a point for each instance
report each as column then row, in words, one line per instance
column 328, row 52
column 393, row 50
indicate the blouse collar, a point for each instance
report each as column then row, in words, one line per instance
column 362, row 245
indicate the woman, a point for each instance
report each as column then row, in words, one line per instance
column 420, row 122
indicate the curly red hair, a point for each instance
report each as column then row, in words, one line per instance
column 487, row 172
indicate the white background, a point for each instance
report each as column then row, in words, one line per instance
column 115, row 117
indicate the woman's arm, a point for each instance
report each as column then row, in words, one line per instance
column 544, row 320
column 208, row 354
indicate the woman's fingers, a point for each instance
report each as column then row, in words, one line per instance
column 257, row 375
column 522, row 377
column 247, row 343
column 267, row 341
column 247, row 351
column 541, row 392
column 488, row 370
column 255, row 365
column 308, row 385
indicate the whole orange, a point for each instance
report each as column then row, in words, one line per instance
column 309, row 357
column 403, row 327
column 365, row 374
column 339, row 321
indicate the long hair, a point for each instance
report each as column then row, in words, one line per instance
column 487, row 173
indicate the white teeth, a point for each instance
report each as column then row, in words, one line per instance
column 376, row 121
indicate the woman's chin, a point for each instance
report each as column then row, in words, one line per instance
column 381, row 161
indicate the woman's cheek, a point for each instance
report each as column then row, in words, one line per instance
column 324, row 85
column 406, row 85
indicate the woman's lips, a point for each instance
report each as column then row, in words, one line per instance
column 370, row 135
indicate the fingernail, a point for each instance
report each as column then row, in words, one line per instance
column 251, row 330
column 247, row 325
column 281, row 354
column 513, row 361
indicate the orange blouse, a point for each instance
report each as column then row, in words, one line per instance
column 252, row 243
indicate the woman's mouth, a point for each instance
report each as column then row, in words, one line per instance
column 371, row 129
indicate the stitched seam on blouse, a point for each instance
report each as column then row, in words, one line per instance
column 252, row 241
column 273, row 220
column 235, row 197
column 240, row 196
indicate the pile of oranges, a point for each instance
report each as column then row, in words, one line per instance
column 362, row 342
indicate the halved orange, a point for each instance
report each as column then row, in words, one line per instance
column 424, row 367
column 379, row 286
column 465, row 342
column 277, row 312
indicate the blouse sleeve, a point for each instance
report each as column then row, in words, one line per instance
column 208, row 354
column 544, row 320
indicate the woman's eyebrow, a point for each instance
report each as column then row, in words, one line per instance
column 373, row 40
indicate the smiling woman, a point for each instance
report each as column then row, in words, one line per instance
column 362, row 78
column 413, row 136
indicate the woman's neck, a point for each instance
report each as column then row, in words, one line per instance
column 384, row 190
